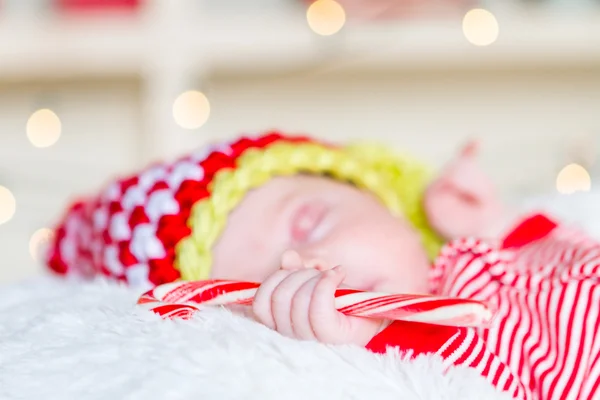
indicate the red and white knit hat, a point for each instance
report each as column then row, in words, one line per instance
column 159, row 226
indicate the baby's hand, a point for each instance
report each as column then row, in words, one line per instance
column 298, row 301
column 462, row 201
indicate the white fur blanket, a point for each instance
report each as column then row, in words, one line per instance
column 60, row 341
column 66, row 341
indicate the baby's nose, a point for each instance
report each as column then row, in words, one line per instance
column 320, row 263
column 314, row 255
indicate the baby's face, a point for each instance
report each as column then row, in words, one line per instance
column 321, row 218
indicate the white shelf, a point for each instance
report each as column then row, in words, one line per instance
column 54, row 48
column 552, row 41
column 528, row 120
column 279, row 41
column 171, row 46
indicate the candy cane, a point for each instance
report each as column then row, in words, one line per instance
column 182, row 299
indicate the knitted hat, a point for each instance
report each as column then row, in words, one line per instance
column 159, row 226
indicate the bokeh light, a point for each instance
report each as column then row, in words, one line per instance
column 43, row 128
column 573, row 178
column 8, row 205
column 480, row 27
column 191, row 109
column 325, row 17
column 39, row 242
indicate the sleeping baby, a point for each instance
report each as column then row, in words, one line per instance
column 305, row 217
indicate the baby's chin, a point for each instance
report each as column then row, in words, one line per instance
column 405, row 286
column 384, row 286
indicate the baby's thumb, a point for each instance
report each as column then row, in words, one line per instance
column 291, row 260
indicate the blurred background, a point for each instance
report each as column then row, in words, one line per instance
column 90, row 89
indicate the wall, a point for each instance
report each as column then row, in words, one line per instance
column 529, row 122
column 100, row 137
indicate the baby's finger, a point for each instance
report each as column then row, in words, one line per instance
column 300, row 310
column 323, row 316
column 281, row 299
column 261, row 306
column 291, row 260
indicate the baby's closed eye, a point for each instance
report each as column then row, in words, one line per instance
column 307, row 221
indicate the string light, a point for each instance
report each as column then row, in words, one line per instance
column 573, row 178
column 325, row 17
column 191, row 109
column 8, row 205
column 43, row 128
column 480, row 27
column 38, row 242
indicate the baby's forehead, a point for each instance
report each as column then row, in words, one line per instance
column 309, row 181
column 303, row 183
column 273, row 195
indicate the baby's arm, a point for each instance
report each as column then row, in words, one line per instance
column 543, row 278
column 456, row 346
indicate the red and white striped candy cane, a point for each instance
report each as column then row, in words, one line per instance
column 183, row 299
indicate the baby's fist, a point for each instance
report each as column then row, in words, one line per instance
column 463, row 201
column 298, row 301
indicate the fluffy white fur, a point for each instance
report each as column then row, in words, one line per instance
column 62, row 341
column 66, row 341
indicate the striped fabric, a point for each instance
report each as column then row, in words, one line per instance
column 543, row 282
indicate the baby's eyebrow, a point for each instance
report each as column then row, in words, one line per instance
column 284, row 200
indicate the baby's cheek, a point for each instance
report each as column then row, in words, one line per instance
column 381, row 271
column 392, row 262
